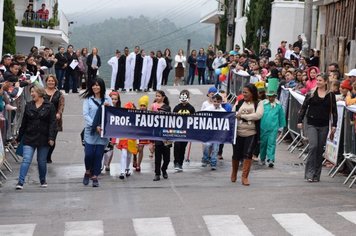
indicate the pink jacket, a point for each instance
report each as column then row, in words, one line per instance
column 311, row 84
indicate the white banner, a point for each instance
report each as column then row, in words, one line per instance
column 332, row 147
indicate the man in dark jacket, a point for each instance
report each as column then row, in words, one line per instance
column 71, row 70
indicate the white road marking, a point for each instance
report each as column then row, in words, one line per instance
column 79, row 228
column 300, row 224
column 226, row 225
column 17, row 230
column 154, row 226
column 173, row 91
column 349, row 215
column 195, row 91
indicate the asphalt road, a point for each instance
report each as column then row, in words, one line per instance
column 197, row 201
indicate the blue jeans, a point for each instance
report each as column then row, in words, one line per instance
column 191, row 76
column 28, row 152
column 217, row 82
column 210, row 150
column 93, row 158
column 60, row 75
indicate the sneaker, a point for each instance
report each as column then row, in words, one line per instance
column 122, row 176
column 95, row 183
column 204, row 164
column 19, row 186
column 176, row 166
column 262, row 163
column 127, row 172
column 164, row 174
column 43, row 184
column 213, row 168
column 180, row 168
column 156, row 178
column 270, row 163
column 86, row 179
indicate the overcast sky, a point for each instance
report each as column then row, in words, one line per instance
column 177, row 10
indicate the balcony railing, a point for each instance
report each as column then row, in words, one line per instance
column 38, row 20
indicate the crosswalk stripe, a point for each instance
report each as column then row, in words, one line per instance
column 17, row 229
column 195, row 91
column 154, row 226
column 226, row 225
column 78, row 228
column 300, row 224
column 173, row 91
column 349, row 215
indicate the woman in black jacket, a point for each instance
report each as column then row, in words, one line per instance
column 37, row 132
column 60, row 66
column 318, row 106
column 93, row 63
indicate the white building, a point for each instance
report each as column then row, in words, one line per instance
column 1, row 25
column 287, row 23
column 240, row 22
column 28, row 35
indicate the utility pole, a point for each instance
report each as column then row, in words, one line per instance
column 230, row 25
column 186, row 67
column 307, row 26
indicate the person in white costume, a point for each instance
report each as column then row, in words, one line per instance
column 130, row 68
column 114, row 63
column 160, row 68
column 146, row 71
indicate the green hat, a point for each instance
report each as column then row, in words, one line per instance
column 272, row 87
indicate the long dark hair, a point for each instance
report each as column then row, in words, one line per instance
column 89, row 91
column 165, row 98
column 253, row 90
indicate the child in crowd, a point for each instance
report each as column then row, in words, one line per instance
column 109, row 150
column 162, row 151
column 273, row 119
column 345, row 88
column 143, row 105
column 335, row 87
column 290, row 79
column 211, row 149
column 209, row 102
column 127, row 147
column 228, row 108
column 351, row 96
column 183, row 108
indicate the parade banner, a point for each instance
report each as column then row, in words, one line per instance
column 332, row 147
column 215, row 127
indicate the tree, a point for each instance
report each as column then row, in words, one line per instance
column 223, row 29
column 258, row 15
column 9, row 45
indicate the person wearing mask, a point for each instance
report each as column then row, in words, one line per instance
column 318, row 106
column 249, row 112
column 183, row 108
column 93, row 63
column 37, row 132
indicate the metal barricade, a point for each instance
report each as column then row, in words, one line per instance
column 349, row 148
column 236, row 82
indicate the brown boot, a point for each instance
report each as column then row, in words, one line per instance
column 235, row 167
column 245, row 171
